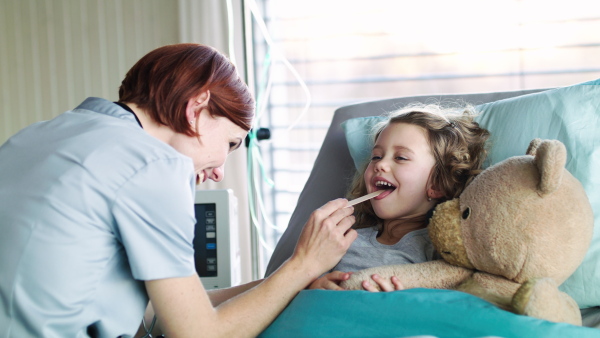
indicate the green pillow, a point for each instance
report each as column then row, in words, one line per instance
column 414, row 312
column 568, row 114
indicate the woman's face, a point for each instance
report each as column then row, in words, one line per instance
column 401, row 163
column 218, row 138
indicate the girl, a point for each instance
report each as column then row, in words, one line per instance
column 422, row 156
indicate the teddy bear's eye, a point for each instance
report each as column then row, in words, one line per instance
column 466, row 213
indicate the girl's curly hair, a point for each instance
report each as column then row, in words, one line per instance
column 458, row 145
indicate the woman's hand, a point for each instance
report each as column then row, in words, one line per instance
column 383, row 284
column 330, row 281
column 325, row 238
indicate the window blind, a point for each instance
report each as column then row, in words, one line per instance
column 353, row 51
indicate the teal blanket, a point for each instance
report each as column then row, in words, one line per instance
column 438, row 313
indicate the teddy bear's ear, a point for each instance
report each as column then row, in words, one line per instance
column 533, row 145
column 550, row 159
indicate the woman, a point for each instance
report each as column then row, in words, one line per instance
column 97, row 210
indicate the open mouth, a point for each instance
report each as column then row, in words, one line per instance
column 384, row 185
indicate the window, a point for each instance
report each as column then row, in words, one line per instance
column 347, row 51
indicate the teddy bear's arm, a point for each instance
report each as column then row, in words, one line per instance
column 434, row 275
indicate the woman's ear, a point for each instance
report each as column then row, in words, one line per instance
column 196, row 104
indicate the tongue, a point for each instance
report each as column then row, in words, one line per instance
column 384, row 194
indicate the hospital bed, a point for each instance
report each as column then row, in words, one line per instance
column 570, row 114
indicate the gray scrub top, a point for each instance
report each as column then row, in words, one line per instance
column 90, row 207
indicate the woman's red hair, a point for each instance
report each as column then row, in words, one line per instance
column 164, row 80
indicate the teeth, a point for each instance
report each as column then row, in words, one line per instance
column 383, row 183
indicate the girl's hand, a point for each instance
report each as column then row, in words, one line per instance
column 330, row 281
column 383, row 284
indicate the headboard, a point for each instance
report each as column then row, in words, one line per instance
column 334, row 168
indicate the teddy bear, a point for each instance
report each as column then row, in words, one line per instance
column 516, row 232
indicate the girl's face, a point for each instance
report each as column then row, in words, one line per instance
column 218, row 138
column 401, row 163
